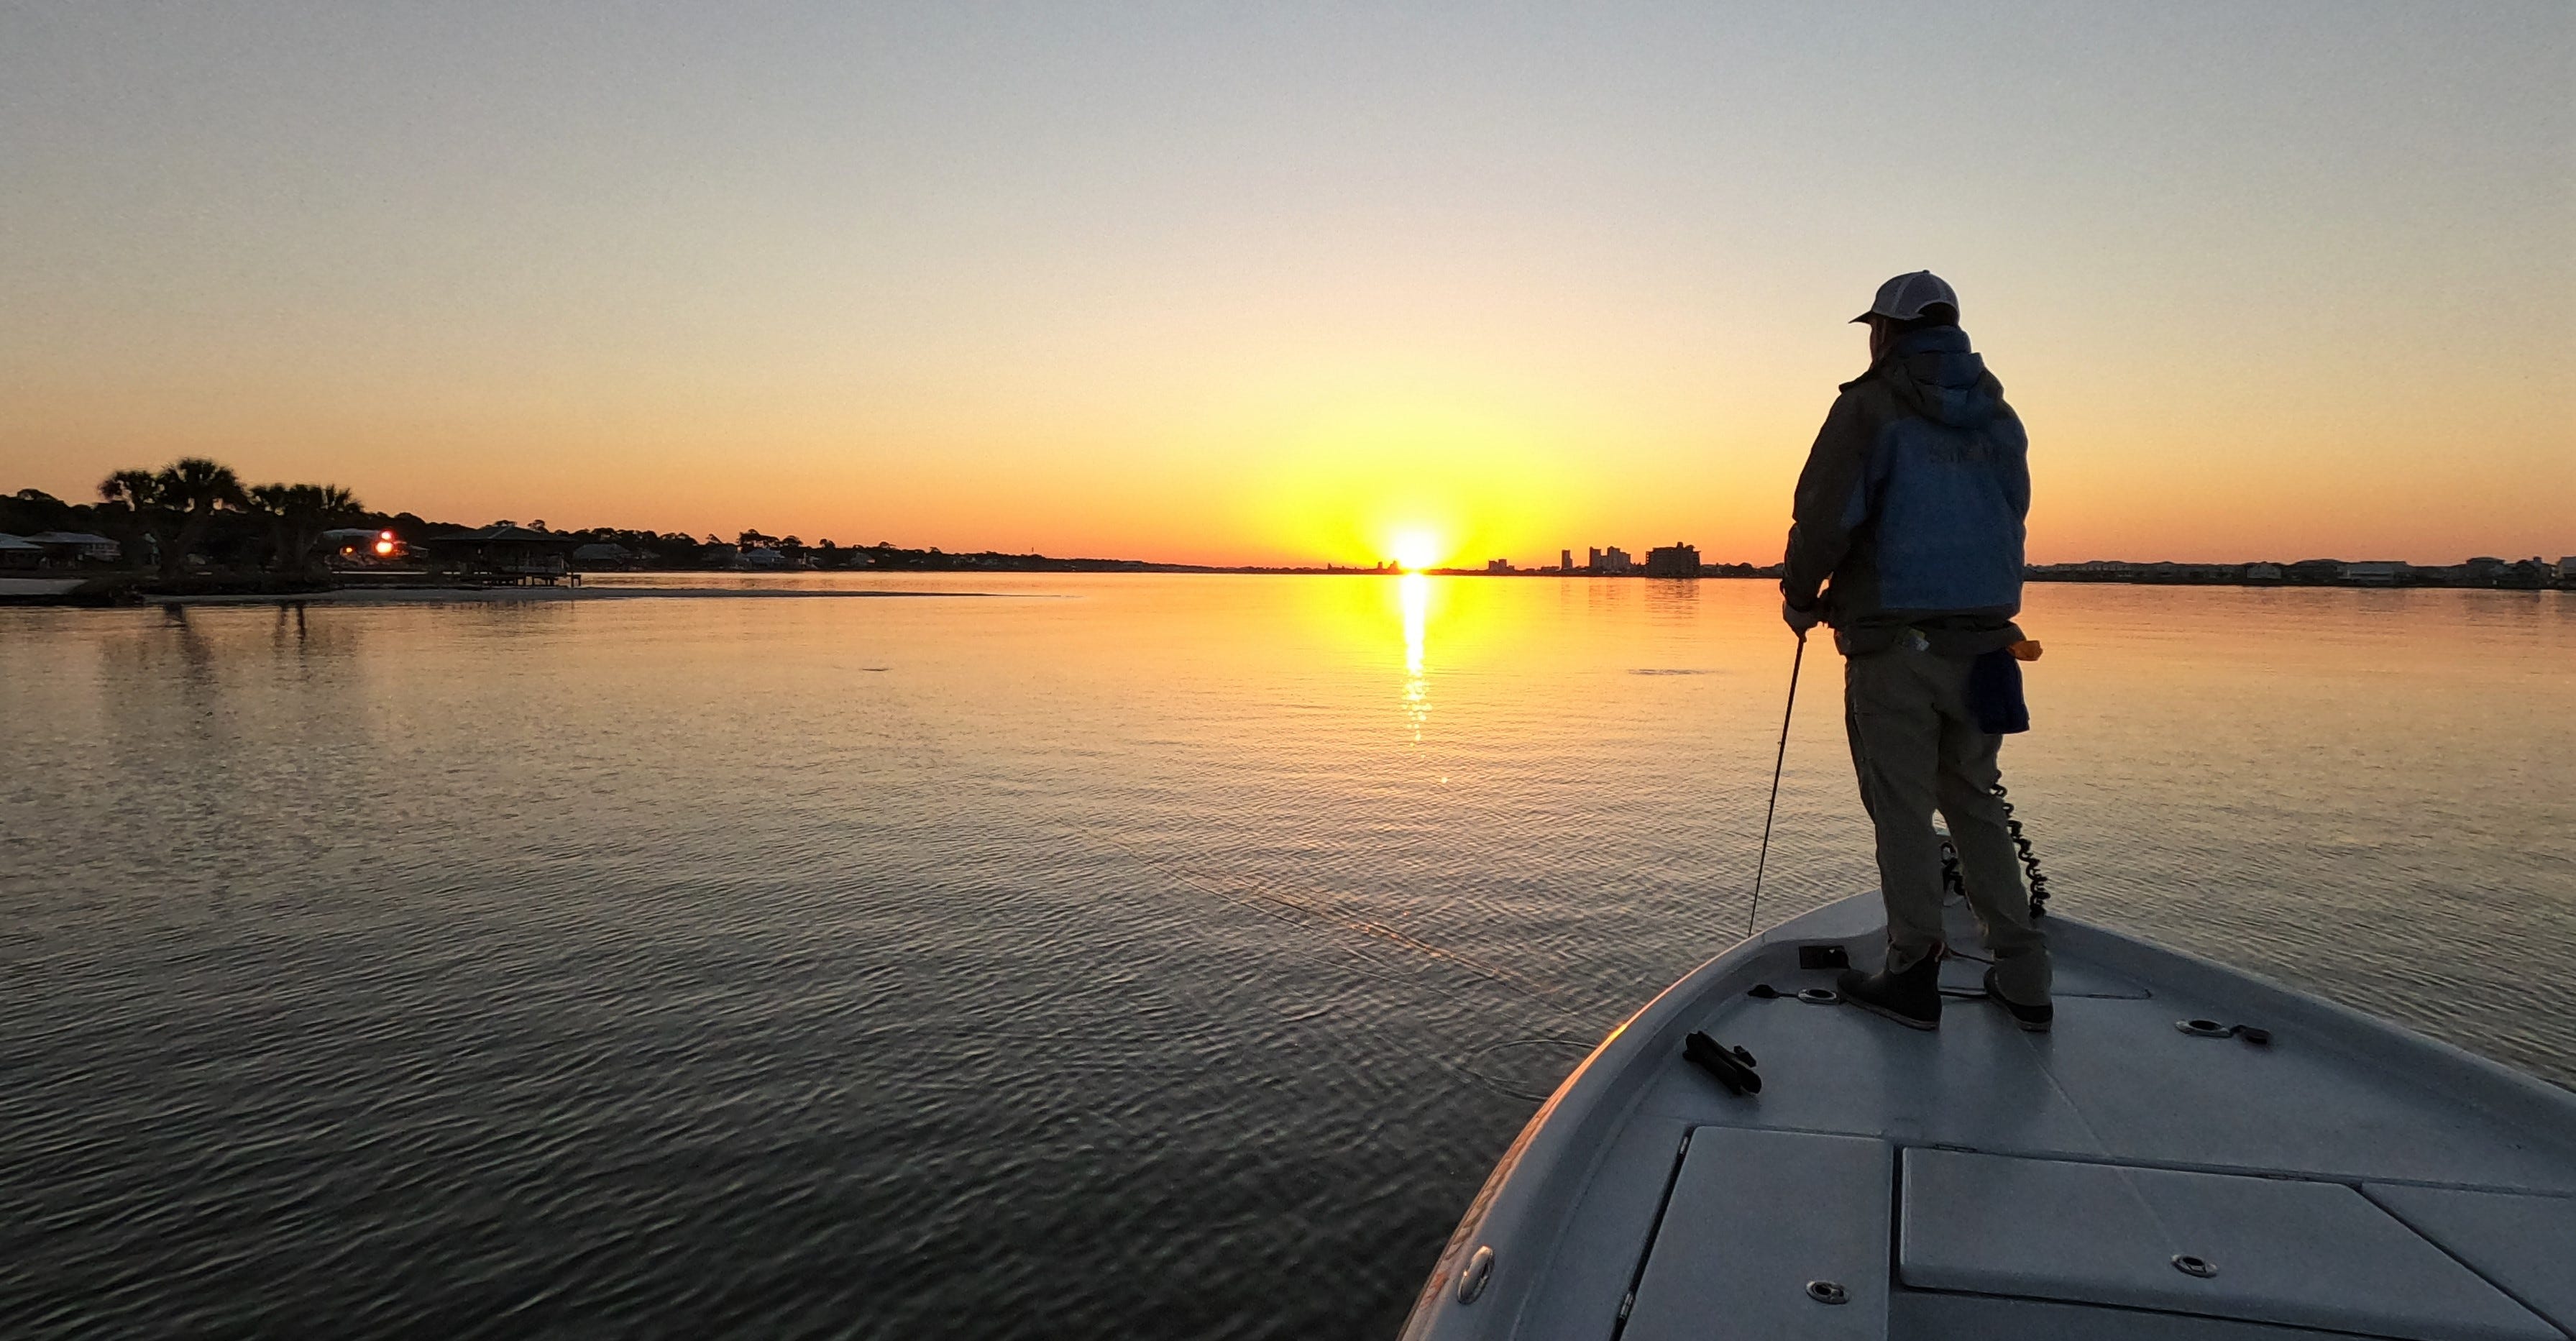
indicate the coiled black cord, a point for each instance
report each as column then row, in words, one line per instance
column 2029, row 859
column 1955, row 884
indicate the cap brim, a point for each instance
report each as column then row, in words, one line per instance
column 1862, row 317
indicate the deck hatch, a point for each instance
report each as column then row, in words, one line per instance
column 2525, row 1243
column 2298, row 1253
column 1763, row 1231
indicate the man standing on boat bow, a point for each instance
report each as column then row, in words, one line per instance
column 1908, row 542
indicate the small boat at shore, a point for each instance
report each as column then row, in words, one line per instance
column 2192, row 1154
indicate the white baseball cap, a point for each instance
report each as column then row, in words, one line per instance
column 1904, row 297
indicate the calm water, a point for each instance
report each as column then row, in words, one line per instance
column 1126, row 956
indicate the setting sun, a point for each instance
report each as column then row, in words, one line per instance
column 1416, row 550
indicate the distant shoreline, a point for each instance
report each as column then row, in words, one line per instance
column 2436, row 582
column 121, row 591
column 61, row 595
column 506, row 595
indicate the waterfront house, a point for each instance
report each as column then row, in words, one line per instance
column 20, row 552
column 358, row 546
column 2532, row 573
column 64, row 549
column 2374, row 572
column 603, row 554
column 505, row 552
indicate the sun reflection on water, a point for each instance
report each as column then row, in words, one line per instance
column 1413, row 596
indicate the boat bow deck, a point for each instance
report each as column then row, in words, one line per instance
column 2347, row 1177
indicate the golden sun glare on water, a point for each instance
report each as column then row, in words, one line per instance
column 1416, row 550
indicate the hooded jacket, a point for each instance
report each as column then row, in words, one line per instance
column 1912, row 504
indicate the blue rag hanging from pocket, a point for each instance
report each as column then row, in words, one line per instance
column 1994, row 694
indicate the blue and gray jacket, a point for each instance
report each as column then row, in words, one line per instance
column 1912, row 504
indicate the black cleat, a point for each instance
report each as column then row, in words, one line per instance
column 1911, row 998
column 2036, row 1019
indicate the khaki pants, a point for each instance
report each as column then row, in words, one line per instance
column 1918, row 748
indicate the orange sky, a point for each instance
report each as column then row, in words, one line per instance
column 1238, row 287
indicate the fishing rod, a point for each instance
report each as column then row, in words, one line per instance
column 1782, row 757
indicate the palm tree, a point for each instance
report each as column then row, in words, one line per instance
column 297, row 515
column 197, row 488
column 148, row 507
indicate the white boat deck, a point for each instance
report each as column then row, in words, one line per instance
column 2118, row 1177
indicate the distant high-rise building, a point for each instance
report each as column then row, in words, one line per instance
column 1673, row 560
column 1565, row 561
column 1612, row 560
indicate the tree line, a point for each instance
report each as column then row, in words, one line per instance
column 176, row 507
column 196, row 508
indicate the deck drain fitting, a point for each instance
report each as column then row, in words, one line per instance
column 1828, row 1292
column 1820, row 996
column 2194, row 1266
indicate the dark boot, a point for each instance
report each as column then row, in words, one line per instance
column 1911, row 998
column 2036, row 1019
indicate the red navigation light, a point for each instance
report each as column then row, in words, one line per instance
column 384, row 535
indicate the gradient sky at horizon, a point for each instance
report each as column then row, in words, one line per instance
column 1261, row 283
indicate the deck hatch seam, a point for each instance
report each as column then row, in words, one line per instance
column 2136, row 1308
column 1654, row 1231
column 2347, row 1178
column 2465, row 1264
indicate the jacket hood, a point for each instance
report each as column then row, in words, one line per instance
column 1938, row 376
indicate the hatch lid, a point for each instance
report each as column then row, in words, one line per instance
column 1754, row 1218
column 2523, row 1242
column 2279, row 1250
